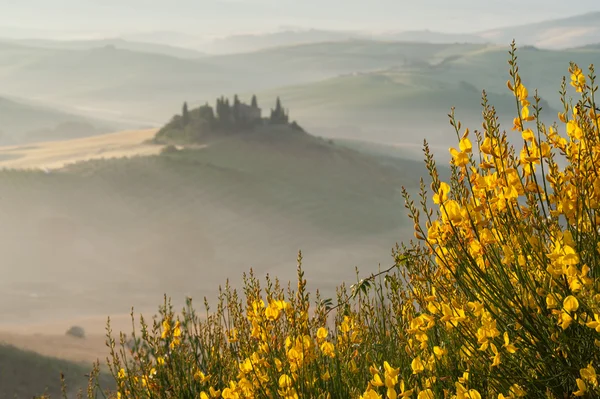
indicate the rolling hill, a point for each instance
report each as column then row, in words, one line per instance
column 183, row 222
column 23, row 122
column 284, row 38
column 397, row 106
column 317, row 80
column 143, row 47
column 27, row 374
column 553, row 34
column 116, row 83
column 540, row 69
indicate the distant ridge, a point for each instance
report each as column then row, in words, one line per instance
column 561, row 33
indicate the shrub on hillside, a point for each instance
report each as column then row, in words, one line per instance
column 498, row 298
column 76, row 331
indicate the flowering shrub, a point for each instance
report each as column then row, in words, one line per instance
column 498, row 298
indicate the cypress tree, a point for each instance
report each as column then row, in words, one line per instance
column 236, row 110
column 185, row 115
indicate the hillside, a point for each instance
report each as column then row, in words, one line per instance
column 23, row 122
column 553, row 34
column 253, row 42
column 314, row 79
column 396, row 106
column 184, row 221
column 485, row 68
column 115, row 83
column 144, row 47
column 25, row 374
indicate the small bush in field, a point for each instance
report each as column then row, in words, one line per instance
column 76, row 331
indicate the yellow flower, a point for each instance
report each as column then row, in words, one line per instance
column 376, row 381
column 439, row 352
column 528, row 135
column 328, row 349
column 442, row 194
column 426, row 394
column 521, row 92
column 122, row 374
column 273, row 311
column 404, row 393
column 460, row 158
column 231, row 392
column 589, row 375
column 571, row 304
column 574, row 131
column 465, row 144
column 582, row 388
column 166, row 325
column 510, row 348
column 285, row 381
column 417, row 365
column 322, row 333
column 577, row 78
column 370, row 394
column 201, row 377
column 496, row 358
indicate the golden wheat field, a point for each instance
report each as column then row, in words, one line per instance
column 56, row 154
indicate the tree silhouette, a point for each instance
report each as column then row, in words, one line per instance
column 185, row 114
column 278, row 115
column 236, row 109
column 254, row 103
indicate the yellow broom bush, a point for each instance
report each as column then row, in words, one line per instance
column 498, row 298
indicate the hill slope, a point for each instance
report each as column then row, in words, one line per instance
column 553, row 34
column 114, row 82
column 143, row 47
column 185, row 221
column 396, row 106
column 26, row 374
column 25, row 123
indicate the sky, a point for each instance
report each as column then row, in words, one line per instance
column 222, row 17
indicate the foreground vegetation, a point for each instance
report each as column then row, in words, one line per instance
column 498, row 298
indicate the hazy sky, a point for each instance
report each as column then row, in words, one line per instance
column 111, row 17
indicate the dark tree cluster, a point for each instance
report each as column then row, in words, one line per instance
column 226, row 117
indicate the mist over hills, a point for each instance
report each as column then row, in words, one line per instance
column 23, row 122
column 139, row 87
column 120, row 43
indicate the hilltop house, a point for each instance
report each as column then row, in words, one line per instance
column 249, row 113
